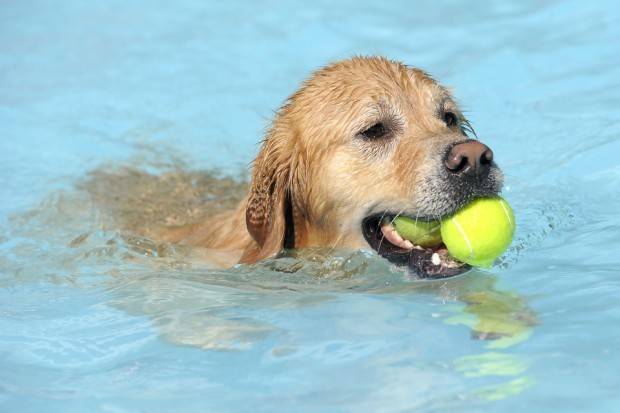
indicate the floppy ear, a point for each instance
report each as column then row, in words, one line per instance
column 266, row 211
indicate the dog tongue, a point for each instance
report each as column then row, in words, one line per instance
column 393, row 237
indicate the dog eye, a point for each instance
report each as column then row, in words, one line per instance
column 450, row 118
column 376, row 131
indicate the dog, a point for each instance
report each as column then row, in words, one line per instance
column 362, row 141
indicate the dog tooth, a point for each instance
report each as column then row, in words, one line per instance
column 397, row 236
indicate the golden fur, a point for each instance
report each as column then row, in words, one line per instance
column 315, row 157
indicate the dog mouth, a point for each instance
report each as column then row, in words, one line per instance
column 426, row 262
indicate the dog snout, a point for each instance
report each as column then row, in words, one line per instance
column 470, row 159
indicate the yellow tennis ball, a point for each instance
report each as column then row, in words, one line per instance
column 480, row 232
column 422, row 233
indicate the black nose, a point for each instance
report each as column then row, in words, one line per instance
column 470, row 158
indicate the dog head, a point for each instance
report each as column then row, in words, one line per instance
column 362, row 140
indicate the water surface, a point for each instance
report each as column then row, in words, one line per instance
column 101, row 99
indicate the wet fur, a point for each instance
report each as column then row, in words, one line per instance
column 316, row 161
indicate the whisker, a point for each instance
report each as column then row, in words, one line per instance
column 382, row 234
column 391, row 223
column 397, row 215
column 335, row 244
column 467, row 127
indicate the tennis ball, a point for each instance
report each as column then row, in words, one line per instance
column 480, row 232
column 422, row 233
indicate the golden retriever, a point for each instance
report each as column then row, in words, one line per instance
column 362, row 141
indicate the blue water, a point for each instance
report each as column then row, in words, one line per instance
column 94, row 320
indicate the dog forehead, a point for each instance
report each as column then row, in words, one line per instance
column 368, row 70
column 362, row 81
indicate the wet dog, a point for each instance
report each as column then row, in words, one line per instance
column 362, row 141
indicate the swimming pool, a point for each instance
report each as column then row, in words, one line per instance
column 97, row 320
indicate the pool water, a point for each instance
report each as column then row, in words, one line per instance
column 102, row 98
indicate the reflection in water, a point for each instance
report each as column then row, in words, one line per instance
column 143, row 203
column 501, row 317
column 97, row 237
column 491, row 364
